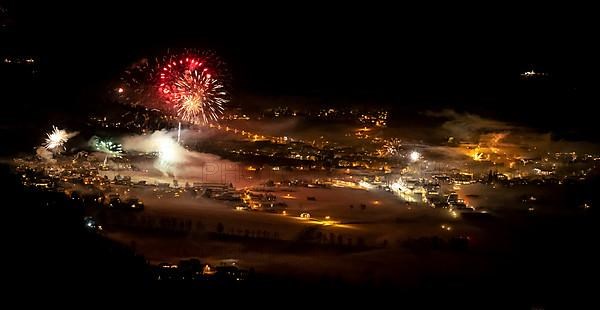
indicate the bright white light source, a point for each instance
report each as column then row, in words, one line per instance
column 364, row 184
column 414, row 156
column 167, row 151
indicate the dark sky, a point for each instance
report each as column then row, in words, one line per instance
column 436, row 57
column 331, row 46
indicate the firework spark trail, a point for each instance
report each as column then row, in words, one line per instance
column 190, row 88
column 56, row 139
column 390, row 148
column 189, row 85
column 106, row 146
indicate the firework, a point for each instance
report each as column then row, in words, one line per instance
column 56, row 139
column 189, row 85
column 108, row 147
column 414, row 156
column 391, row 147
column 168, row 151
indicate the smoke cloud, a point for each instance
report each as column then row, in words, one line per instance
column 173, row 158
column 44, row 154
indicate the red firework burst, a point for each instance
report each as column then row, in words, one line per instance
column 189, row 85
column 190, row 88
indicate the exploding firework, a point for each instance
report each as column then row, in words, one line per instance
column 56, row 139
column 189, row 85
column 167, row 151
column 414, row 156
column 106, row 146
column 390, row 148
column 191, row 88
column 170, row 155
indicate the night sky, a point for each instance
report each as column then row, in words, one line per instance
column 409, row 60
